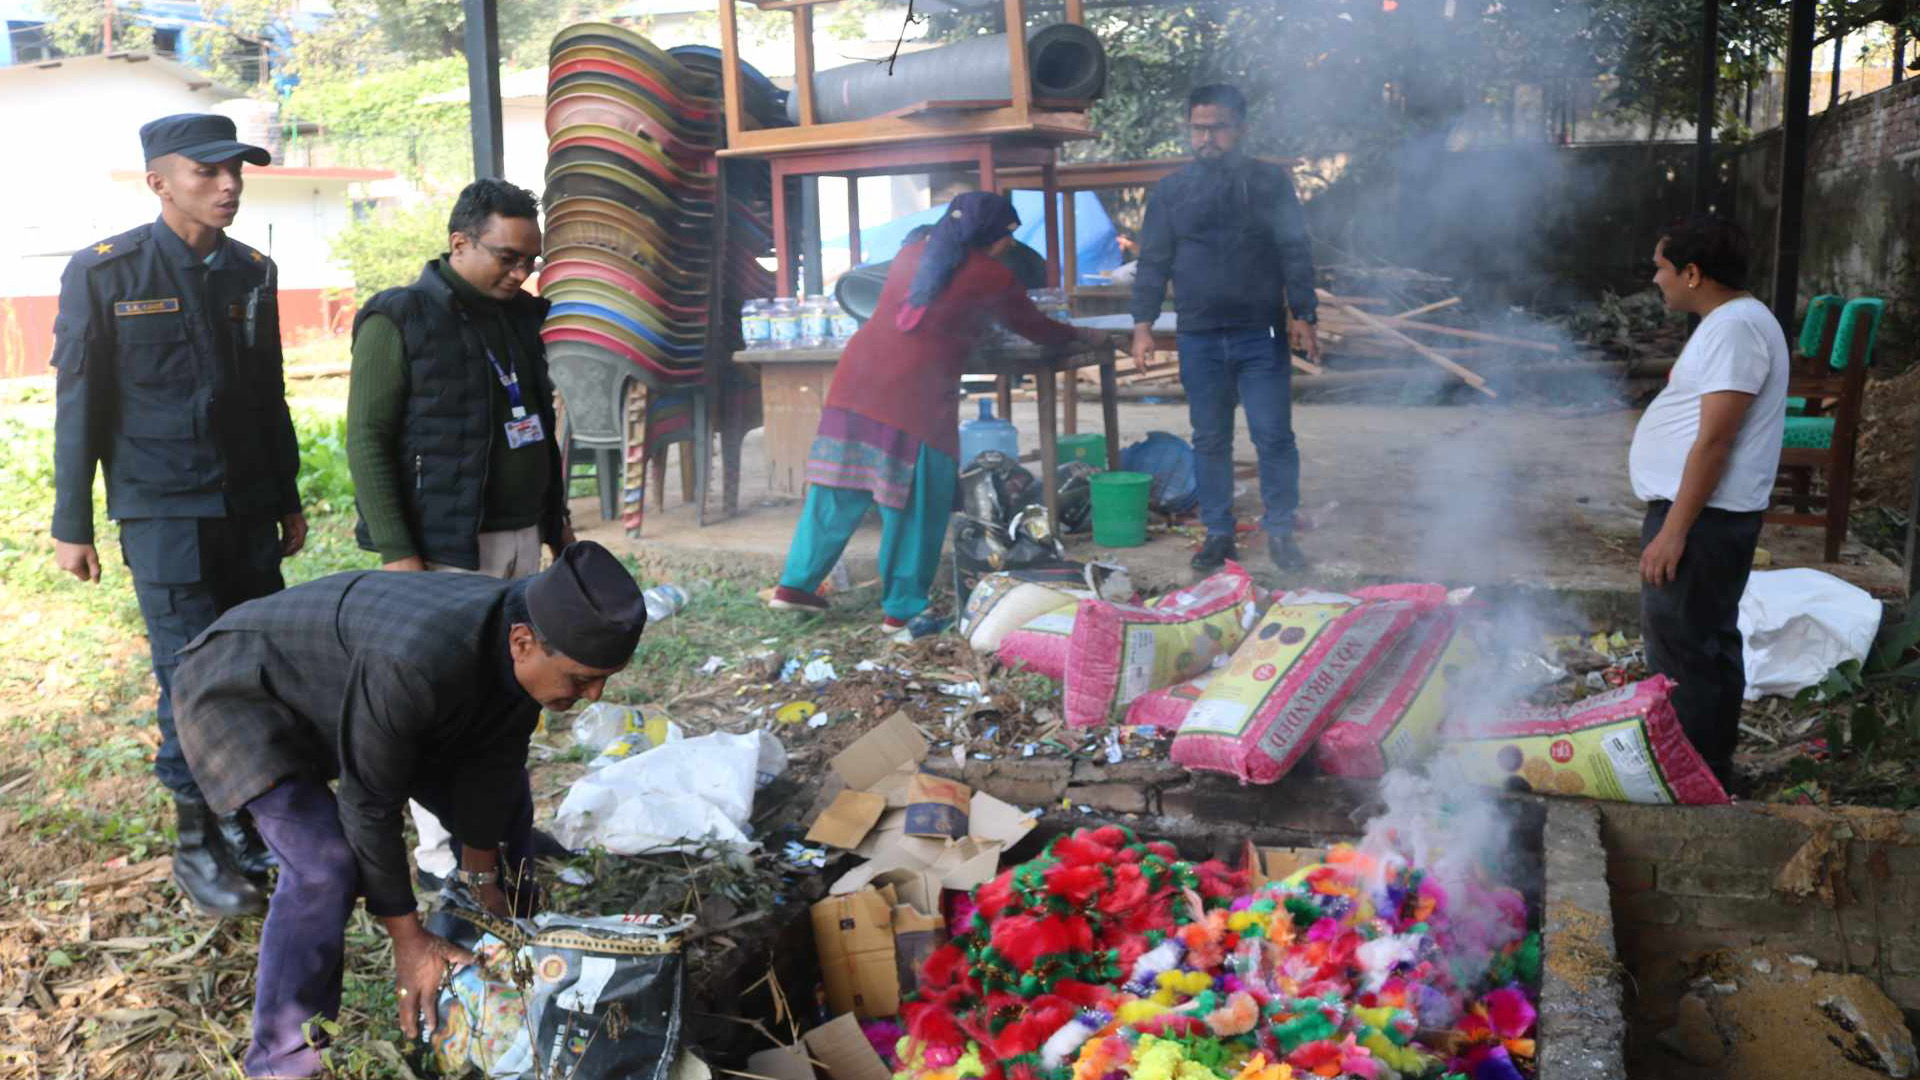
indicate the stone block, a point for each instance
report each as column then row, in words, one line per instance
column 1628, row 876
column 1130, row 771
column 1114, row 798
column 1903, row 952
column 1021, row 781
column 1685, row 879
column 1649, row 907
column 1904, row 990
column 1758, row 917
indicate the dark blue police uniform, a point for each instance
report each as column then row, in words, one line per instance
column 169, row 377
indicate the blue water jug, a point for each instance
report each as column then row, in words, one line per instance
column 987, row 433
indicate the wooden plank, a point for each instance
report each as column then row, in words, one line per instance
column 1428, row 309
column 1018, row 73
column 955, row 105
column 1043, row 385
column 1469, row 377
column 1076, row 12
column 803, row 63
column 853, row 220
column 734, row 106
column 883, row 131
column 1110, row 412
column 1051, row 219
column 792, row 396
column 1467, row 335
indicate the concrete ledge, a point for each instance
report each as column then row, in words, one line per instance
column 1583, row 1031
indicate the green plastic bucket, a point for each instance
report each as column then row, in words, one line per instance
column 1091, row 449
column 1120, row 508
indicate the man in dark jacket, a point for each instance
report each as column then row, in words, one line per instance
column 168, row 374
column 450, row 422
column 1229, row 233
column 399, row 686
column 450, row 419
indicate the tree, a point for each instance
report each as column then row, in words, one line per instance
column 381, row 119
column 386, row 249
column 79, row 27
column 414, row 30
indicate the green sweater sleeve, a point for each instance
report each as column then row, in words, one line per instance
column 376, row 409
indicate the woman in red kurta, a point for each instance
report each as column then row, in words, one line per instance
column 890, row 430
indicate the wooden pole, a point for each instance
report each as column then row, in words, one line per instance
column 730, row 72
column 1793, row 165
column 803, row 62
column 1709, row 106
column 1428, row 309
column 1466, row 375
column 853, row 221
column 1050, row 217
column 483, row 87
column 1022, row 79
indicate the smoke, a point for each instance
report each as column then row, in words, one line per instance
column 1462, row 839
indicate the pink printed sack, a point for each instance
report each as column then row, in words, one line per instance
column 1287, row 680
column 1118, row 652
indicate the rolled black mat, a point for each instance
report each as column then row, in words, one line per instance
column 1066, row 62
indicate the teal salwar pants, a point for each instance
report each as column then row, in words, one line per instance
column 910, row 538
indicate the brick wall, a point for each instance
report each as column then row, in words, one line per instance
column 1686, row 880
column 1862, row 220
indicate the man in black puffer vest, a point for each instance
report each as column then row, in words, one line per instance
column 450, row 420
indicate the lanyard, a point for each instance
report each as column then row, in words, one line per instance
column 509, row 376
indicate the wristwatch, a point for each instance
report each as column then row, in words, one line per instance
column 475, row 879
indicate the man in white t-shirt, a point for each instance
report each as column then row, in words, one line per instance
column 1703, row 460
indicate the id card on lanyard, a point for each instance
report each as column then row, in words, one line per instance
column 524, row 429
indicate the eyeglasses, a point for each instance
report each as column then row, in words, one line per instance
column 1209, row 130
column 511, row 259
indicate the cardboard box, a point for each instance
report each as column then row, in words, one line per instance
column 937, row 807
column 848, row 819
column 843, row 1051
column 915, row 936
column 853, row 936
column 783, row 1063
column 1265, row 864
column 896, row 742
column 993, row 826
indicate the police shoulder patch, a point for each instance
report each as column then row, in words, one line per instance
column 113, row 247
column 247, row 256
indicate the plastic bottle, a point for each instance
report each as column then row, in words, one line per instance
column 987, row 433
column 816, row 326
column 664, row 601
column 756, row 324
column 784, row 321
column 844, row 324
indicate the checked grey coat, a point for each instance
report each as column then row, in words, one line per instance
column 375, row 679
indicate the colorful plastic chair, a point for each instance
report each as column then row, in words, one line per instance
column 1823, row 442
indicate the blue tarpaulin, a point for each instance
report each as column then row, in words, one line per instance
column 1099, row 245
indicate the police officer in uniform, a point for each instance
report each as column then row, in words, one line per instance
column 167, row 353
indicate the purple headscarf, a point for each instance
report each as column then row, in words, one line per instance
column 974, row 219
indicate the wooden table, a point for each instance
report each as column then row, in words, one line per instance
column 793, row 388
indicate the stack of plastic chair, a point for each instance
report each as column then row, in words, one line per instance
column 632, row 193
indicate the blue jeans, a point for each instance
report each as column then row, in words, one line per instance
column 1218, row 367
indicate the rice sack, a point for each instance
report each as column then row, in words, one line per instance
column 1286, row 681
column 1167, row 708
column 1118, row 652
column 1626, row 745
column 1393, row 720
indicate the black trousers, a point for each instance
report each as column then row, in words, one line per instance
column 187, row 572
column 1691, row 626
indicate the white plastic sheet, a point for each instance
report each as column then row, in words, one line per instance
column 1799, row 625
column 671, row 798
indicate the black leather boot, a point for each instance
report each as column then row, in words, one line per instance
column 244, row 848
column 200, row 871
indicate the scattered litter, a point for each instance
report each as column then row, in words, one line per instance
column 1114, row 753
column 713, row 666
column 573, row 875
column 818, row 671
column 664, row 602
column 970, row 691
column 819, row 720
column 1797, row 625
column 801, row 856
column 673, row 798
column 769, row 641
column 869, row 665
column 978, row 756
column 789, row 670
column 794, row 712
column 1027, row 750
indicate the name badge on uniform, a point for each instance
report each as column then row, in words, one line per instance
column 525, row 431
column 124, row 308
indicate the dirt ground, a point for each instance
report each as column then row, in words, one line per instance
column 1480, row 495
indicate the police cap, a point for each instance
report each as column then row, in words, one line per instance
column 204, row 137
